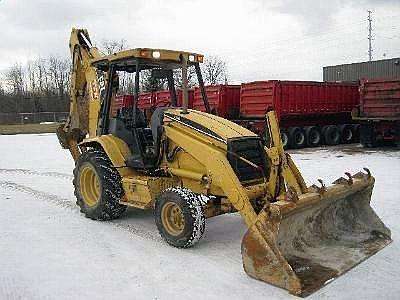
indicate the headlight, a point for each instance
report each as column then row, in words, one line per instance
column 156, row 54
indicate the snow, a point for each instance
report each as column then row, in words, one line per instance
column 48, row 250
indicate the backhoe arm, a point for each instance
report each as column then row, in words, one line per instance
column 84, row 93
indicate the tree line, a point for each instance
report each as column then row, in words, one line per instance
column 38, row 78
column 42, row 84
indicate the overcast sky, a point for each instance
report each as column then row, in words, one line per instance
column 259, row 39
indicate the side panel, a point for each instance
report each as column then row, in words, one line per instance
column 380, row 99
column 163, row 98
column 119, row 102
column 223, row 99
column 142, row 191
column 300, row 102
column 146, row 100
column 256, row 98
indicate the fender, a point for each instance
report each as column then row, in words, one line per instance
column 116, row 149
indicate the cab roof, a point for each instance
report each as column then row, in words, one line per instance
column 149, row 56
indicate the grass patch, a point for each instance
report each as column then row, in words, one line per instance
column 28, row 128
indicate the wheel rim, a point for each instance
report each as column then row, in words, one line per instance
column 348, row 135
column 314, row 137
column 284, row 139
column 89, row 184
column 172, row 218
column 335, row 136
column 299, row 138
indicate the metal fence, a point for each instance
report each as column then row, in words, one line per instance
column 28, row 118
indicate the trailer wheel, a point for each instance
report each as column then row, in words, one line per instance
column 331, row 135
column 98, row 187
column 313, row 136
column 297, row 137
column 347, row 133
column 179, row 217
column 356, row 132
column 284, row 138
column 367, row 136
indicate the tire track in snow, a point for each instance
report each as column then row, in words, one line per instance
column 67, row 203
column 10, row 288
column 36, row 173
column 59, row 201
column 215, row 249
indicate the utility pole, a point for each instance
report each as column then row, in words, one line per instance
column 370, row 35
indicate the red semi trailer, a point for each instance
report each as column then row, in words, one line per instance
column 148, row 101
column 379, row 112
column 224, row 100
column 310, row 113
column 163, row 98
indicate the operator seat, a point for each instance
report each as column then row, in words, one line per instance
column 156, row 125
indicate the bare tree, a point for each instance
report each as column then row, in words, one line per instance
column 214, row 70
column 31, row 77
column 112, row 46
column 191, row 74
column 149, row 83
column 2, row 91
column 126, row 82
column 59, row 69
column 41, row 76
column 15, row 80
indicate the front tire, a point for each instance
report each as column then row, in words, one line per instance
column 179, row 217
column 98, row 187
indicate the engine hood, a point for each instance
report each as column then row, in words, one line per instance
column 208, row 124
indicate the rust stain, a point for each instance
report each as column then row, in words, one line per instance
column 312, row 275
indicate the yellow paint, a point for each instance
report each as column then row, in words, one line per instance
column 116, row 149
column 89, row 185
column 172, row 218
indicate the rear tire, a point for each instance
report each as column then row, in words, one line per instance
column 331, row 135
column 347, row 133
column 98, row 187
column 313, row 136
column 367, row 136
column 179, row 217
column 356, row 130
column 297, row 137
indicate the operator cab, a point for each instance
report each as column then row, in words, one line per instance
column 130, row 124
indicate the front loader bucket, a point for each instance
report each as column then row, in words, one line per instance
column 305, row 242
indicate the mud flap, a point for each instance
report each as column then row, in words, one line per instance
column 304, row 244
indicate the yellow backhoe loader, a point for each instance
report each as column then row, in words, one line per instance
column 189, row 165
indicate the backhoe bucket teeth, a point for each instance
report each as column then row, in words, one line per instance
column 304, row 243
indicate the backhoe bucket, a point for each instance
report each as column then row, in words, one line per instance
column 305, row 242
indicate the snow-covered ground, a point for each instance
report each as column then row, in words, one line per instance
column 48, row 250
